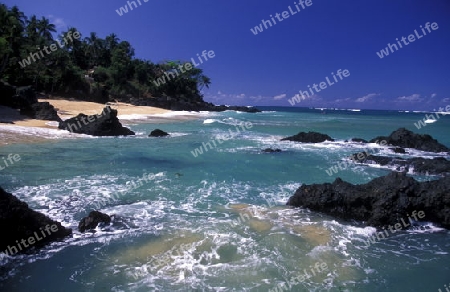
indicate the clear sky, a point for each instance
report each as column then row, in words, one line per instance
column 301, row 50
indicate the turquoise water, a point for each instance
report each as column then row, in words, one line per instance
column 218, row 221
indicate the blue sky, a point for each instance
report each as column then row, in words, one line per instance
column 271, row 67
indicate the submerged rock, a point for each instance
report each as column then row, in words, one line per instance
column 383, row 201
column 270, row 150
column 158, row 133
column 407, row 139
column 93, row 220
column 310, row 137
column 23, row 228
column 104, row 124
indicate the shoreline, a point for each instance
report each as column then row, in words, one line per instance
column 19, row 129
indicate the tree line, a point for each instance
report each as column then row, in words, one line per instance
column 90, row 67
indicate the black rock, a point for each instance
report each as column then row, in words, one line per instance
column 91, row 222
column 104, row 124
column 270, row 150
column 45, row 111
column 18, row 97
column 435, row 166
column 374, row 159
column 18, row 221
column 398, row 150
column 381, row 202
column 158, row 133
column 407, row 139
column 310, row 137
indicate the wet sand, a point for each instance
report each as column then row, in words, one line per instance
column 16, row 128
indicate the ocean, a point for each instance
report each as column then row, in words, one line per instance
column 217, row 221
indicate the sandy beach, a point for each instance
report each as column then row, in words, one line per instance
column 16, row 128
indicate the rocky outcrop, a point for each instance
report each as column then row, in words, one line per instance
column 177, row 104
column 158, row 133
column 310, row 137
column 381, row 202
column 24, row 98
column 17, row 97
column 23, row 228
column 104, row 124
column 407, row 139
column 93, row 220
column 419, row 165
column 45, row 111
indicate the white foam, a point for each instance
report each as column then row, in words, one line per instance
column 41, row 132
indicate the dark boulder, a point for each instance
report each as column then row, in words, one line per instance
column 407, row 139
column 45, row 111
column 270, row 150
column 158, row 133
column 104, row 124
column 18, row 222
column 93, row 220
column 437, row 165
column 25, row 99
column 310, row 137
column 381, row 202
column 374, row 159
column 21, row 98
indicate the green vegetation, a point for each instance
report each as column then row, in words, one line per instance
column 89, row 68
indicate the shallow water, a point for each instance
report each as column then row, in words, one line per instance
column 218, row 221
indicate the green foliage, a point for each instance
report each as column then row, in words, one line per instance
column 92, row 65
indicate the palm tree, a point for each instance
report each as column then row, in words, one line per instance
column 18, row 15
column 32, row 28
column 45, row 29
column 111, row 41
column 94, row 48
column 11, row 33
column 204, row 81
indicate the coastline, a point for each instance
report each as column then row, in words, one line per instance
column 18, row 129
